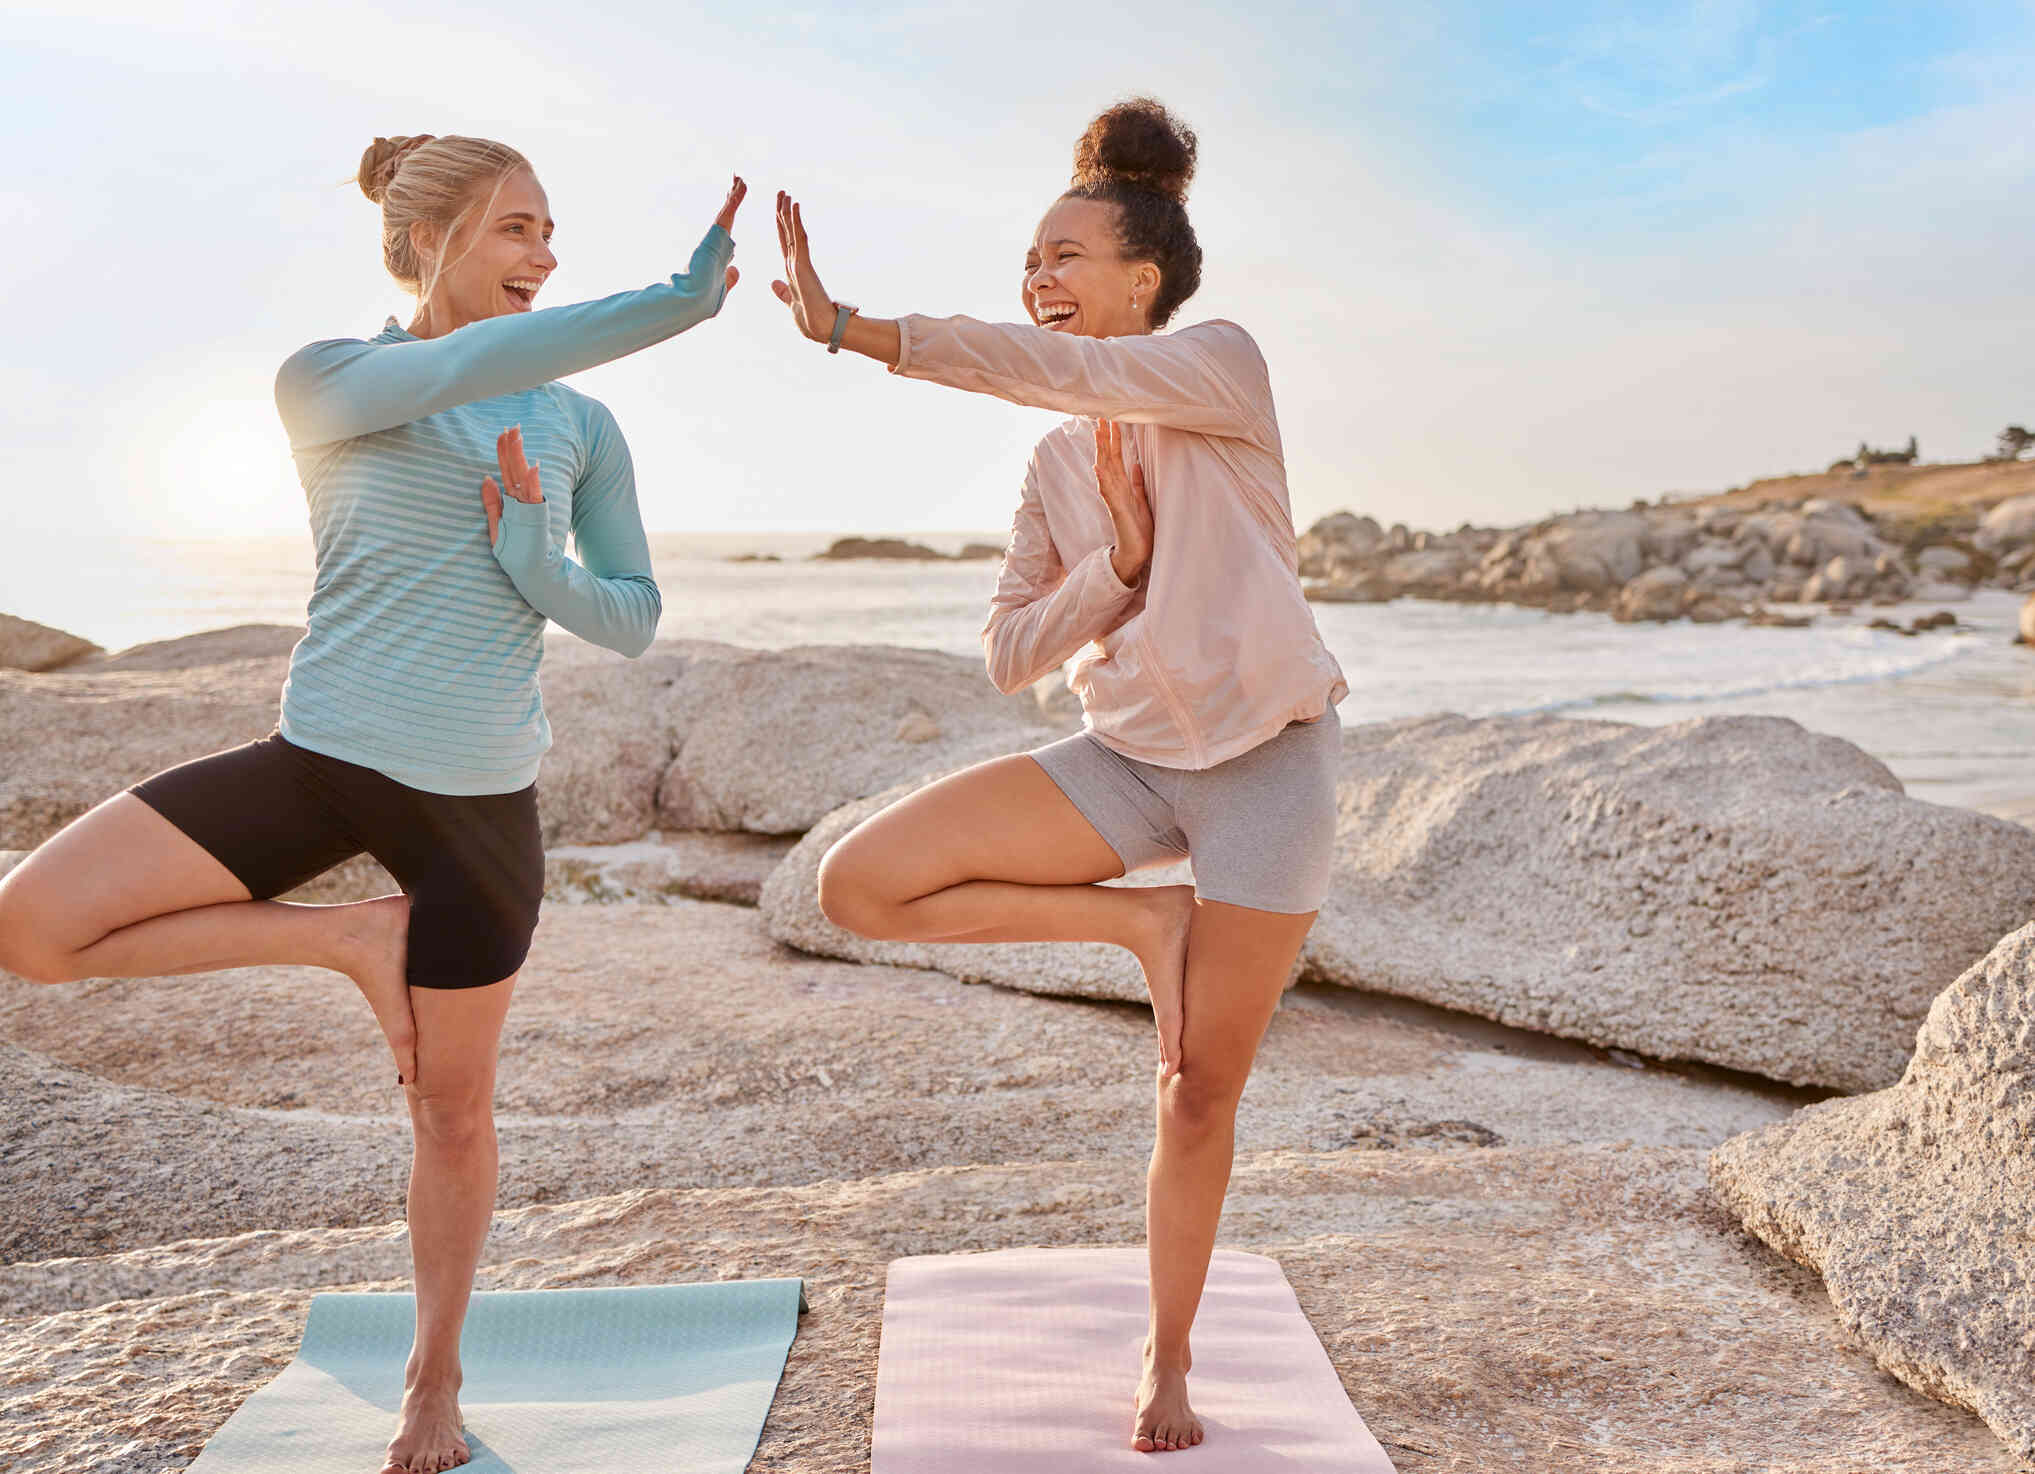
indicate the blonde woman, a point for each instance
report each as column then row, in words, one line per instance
column 1208, row 694
column 411, row 724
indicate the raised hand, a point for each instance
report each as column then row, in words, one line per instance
column 737, row 192
column 1129, row 508
column 811, row 308
column 518, row 475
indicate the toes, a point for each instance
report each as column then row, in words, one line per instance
column 1143, row 1444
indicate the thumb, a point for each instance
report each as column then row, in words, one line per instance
column 783, row 292
column 734, row 275
column 491, row 503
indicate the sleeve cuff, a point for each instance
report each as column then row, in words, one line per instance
column 904, row 347
column 1114, row 584
column 520, row 521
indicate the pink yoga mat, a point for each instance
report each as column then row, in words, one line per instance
column 1025, row 1361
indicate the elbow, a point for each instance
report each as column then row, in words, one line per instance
column 644, row 635
column 1003, row 671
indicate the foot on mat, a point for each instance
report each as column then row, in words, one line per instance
column 430, row 1438
column 1164, row 1421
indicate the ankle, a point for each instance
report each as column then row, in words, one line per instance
column 431, row 1378
column 1176, row 1359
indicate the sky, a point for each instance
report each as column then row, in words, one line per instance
column 1503, row 259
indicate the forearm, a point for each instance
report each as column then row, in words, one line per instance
column 1023, row 641
column 874, row 337
column 618, row 611
column 335, row 391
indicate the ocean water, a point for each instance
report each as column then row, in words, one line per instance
column 1952, row 713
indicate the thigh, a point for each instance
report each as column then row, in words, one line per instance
column 1261, row 826
column 473, row 867
column 119, row 864
column 999, row 820
column 459, row 1032
column 227, row 827
column 1238, row 963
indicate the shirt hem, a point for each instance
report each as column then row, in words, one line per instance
column 424, row 780
column 1222, row 752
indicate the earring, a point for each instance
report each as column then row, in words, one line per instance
column 1134, row 301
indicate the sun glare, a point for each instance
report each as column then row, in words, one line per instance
column 227, row 470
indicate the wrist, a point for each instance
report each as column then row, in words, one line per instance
column 838, row 328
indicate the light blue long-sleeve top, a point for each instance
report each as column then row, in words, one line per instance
column 422, row 644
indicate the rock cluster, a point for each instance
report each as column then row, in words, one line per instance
column 1709, row 562
column 897, row 547
column 1912, row 1202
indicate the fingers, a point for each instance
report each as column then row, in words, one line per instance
column 509, row 451
column 532, row 489
column 737, row 192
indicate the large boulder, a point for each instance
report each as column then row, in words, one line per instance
column 1733, row 889
column 26, row 645
column 771, row 741
column 1655, row 594
column 74, row 737
column 791, row 909
column 2008, row 525
column 1337, row 539
column 1593, row 552
column 1912, row 1202
column 1429, row 569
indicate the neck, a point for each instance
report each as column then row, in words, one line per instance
column 434, row 320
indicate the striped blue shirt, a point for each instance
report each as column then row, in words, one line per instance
column 422, row 643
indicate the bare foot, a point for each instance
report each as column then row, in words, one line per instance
column 1164, row 1421
column 378, row 940
column 431, row 1435
column 1164, row 959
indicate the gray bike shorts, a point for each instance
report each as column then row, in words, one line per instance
column 1259, row 827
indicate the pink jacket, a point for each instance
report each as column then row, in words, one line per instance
column 1216, row 649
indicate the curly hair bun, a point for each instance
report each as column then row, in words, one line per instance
column 1137, row 142
column 380, row 160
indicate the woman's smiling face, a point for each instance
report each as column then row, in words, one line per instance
column 501, row 258
column 1076, row 280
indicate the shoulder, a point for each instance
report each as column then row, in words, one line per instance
column 312, row 357
column 1226, row 341
column 1072, row 436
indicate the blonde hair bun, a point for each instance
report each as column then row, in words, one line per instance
column 380, row 160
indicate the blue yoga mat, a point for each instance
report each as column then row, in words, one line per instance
column 656, row 1377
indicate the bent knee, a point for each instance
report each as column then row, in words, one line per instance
column 851, row 895
column 24, row 951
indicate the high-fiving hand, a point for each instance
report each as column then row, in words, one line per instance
column 1129, row 507
column 811, row 308
column 737, row 192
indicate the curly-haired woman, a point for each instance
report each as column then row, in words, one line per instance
column 1209, row 697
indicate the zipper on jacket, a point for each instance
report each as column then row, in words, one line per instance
column 1173, row 704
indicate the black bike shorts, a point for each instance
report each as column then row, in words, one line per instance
column 277, row 814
